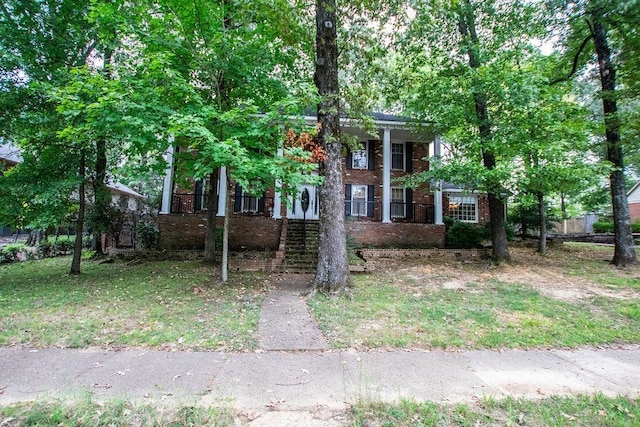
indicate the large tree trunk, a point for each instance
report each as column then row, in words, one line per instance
column 542, row 242
column 225, row 234
column 212, row 208
column 77, row 247
column 102, row 196
column 624, row 253
column 467, row 29
column 332, row 271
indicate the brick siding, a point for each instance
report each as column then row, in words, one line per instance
column 187, row 231
column 409, row 235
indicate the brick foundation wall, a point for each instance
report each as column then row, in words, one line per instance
column 369, row 233
column 634, row 211
column 254, row 232
column 187, row 231
column 182, row 231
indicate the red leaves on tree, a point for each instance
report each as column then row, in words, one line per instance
column 307, row 142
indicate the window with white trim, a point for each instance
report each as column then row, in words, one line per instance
column 398, row 204
column 463, row 207
column 359, row 200
column 359, row 158
column 397, row 156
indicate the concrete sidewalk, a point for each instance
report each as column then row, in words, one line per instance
column 304, row 381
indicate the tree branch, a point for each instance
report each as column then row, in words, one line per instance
column 576, row 58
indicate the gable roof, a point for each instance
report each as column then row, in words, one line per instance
column 10, row 154
column 123, row 189
column 634, row 194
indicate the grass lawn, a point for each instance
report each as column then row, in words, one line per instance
column 170, row 305
column 571, row 297
column 596, row 411
column 87, row 412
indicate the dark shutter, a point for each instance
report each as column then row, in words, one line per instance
column 349, row 161
column 261, row 204
column 237, row 201
column 409, row 202
column 198, row 196
column 408, row 152
column 371, row 155
column 370, row 199
column 347, row 200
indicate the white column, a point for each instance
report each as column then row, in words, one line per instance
column 277, row 197
column 167, row 186
column 437, row 193
column 386, row 175
column 222, row 191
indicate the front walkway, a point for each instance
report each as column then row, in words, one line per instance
column 285, row 320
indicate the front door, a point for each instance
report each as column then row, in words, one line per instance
column 296, row 211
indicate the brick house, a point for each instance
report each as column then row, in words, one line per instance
column 378, row 212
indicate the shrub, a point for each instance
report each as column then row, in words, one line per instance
column 635, row 227
column 603, row 227
column 464, row 235
column 45, row 249
column 65, row 244
column 147, row 234
column 509, row 229
column 11, row 251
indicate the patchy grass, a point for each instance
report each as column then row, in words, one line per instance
column 177, row 305
column 594, row 411
column 534, row 303
column 592, row 263
column 113, row 413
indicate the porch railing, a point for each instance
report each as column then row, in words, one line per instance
column 400, row 212
column 185, row 203
column 354, row 209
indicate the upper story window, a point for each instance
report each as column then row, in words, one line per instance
column 463, row 207
column 359, row 158
column 397, row 156
column 363, row 158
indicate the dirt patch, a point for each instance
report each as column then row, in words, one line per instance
column 550, row 275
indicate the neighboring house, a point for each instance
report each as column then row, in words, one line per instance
column 633, row 198
column 121, row 195
column 9, row 157
column 378, row 212
column 125, row 197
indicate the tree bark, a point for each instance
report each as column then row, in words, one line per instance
column 210, row 238
column 332, row 271
column 77, row 247
column 542, row 242
column 225, row 234
column 500, row 248
column 624, row 252
column 101, row 195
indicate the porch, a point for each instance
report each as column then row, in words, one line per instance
column 246, row 205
